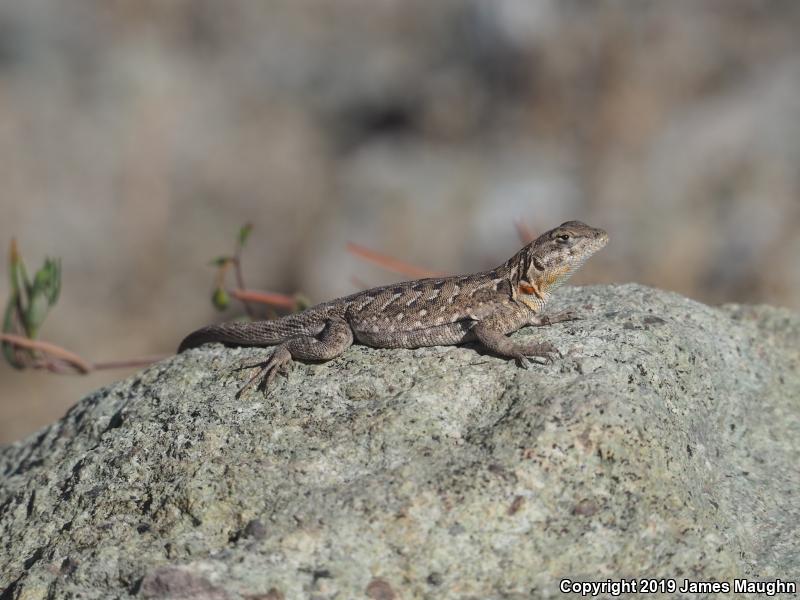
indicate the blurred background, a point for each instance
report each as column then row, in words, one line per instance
column 137, row 136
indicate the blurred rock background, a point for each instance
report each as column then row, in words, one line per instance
column 136, row 136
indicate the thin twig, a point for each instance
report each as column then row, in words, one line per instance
column 57, row 351
column 54, row 365
column 269, row 298
column 58, row 358
column 389, row 263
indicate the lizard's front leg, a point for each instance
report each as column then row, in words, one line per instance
column 495, row 339
column 334, row 339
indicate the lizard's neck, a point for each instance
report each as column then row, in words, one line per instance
column 534, row 278
column 533, row 293
column 514, row 268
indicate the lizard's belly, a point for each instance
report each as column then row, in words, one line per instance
column 437, row 335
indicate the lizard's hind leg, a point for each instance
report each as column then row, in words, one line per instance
column 332, row 341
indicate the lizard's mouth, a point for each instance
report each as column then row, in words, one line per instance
column 594, row 245
column 554, row 277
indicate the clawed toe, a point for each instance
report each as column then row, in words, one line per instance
column 530, row 354
column 567, row 315
column 278, row 363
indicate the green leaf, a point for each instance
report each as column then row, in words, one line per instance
column 220, row 298
column 43, row 294
column 220, row 261
column 30, row 300
column 15, row 276
column 48, row 280
column 25, row 281
column 8, row 327
column 15, row 268
column 244, row 233
column 301, row 302
column 17, row 271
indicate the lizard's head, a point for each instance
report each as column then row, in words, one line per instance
column 551, row 258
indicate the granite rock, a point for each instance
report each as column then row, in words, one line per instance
column 662, row 444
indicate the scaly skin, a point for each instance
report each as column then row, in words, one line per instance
column 445, row 311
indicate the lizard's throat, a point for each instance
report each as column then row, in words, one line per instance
column 536, row 293
column 530, row 294
column 535, row 303
column 551, row 279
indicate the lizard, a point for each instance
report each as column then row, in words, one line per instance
column 481, row 307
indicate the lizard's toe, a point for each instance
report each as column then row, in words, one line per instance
column 284, row 369
column 566, row 315
column 538, row 353
column 279, row 362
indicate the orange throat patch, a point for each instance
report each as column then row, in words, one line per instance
column 530, row 289
column 531, row 296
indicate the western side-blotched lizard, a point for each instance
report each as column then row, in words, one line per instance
column 483, row 307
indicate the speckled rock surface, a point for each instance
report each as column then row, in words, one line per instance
column 664, row 444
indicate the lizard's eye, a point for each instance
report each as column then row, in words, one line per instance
column 563, row 238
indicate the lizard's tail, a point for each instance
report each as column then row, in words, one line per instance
column 243, row 333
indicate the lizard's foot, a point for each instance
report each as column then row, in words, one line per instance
column 566, row 315
column 279, row 362
column 529, row 352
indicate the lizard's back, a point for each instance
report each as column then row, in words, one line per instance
column 424, row 312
